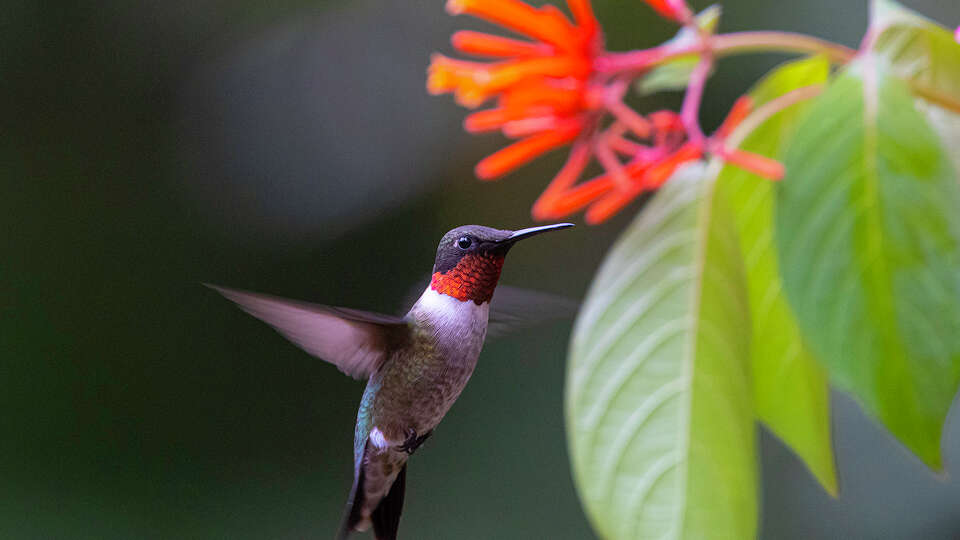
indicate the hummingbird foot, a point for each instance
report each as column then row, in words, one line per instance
column 413, row 441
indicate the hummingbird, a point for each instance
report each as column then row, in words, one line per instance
column 416, row 365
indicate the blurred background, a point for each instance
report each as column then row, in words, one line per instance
column 290, row 147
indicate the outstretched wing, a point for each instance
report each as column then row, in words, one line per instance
column 355, row 341
column 513, row 309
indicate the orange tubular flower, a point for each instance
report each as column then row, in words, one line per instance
column 540, row 86
column 649, row 169
column 547, row 94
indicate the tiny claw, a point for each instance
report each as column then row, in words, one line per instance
column 413, row 441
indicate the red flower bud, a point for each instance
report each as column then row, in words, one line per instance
column 672, row 9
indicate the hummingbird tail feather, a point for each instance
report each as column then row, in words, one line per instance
column 354, row 513
column 386, row 518
column 377, row 495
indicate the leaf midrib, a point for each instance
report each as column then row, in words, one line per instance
column 878, row 270
column 702, row 227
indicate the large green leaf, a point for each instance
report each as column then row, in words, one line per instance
column 660, row 420
column 918, row 50
column 868, row 236
column 789, row 387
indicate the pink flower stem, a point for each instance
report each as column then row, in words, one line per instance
column 788, row 42
column 611, row 164
column 629, row 118
column 690, row 112
column 614, row 135
column 725, row 45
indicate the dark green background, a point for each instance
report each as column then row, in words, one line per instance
column 291, row 148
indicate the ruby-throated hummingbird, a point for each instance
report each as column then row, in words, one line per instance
column 416, row 365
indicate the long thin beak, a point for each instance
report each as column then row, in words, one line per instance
column 533, row 231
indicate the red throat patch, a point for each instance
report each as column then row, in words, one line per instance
column 473, row 278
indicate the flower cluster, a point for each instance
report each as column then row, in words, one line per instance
column 542, row 87
column 557, row 88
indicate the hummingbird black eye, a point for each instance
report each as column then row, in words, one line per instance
column 464, row 242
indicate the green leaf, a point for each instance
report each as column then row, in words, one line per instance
column 789, row 387
column 675, row 74
column 672, row 75
column 869, row 242
column 917, row 50
column 947, row 125
column 659, row 415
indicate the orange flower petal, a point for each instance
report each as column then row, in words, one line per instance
column 544, row 207
column 610, row 204
column 580, row 196
column 509, row 73
column 559, row 200
column 475, row 82
column 441, row 75
column 671, row 9
column 554, row 14
column 448, row 75
column 479, row 43
column 529, row 126
column 741, row 108
column 515, row 123
column 770, row 169
column 661, row 171
column 470, row 81
column 611, row 164
column 519, row 17
column 488, row 120
column 522, row 152
column 577, row 36
column 665, row 121
column 583, row 15
column 540, row 94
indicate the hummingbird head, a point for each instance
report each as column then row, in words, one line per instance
column 469, row 259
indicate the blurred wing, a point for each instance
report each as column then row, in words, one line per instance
column 355, row 341
column 513, row 309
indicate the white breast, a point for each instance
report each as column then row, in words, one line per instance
column 444, row 310
column 459, row 327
